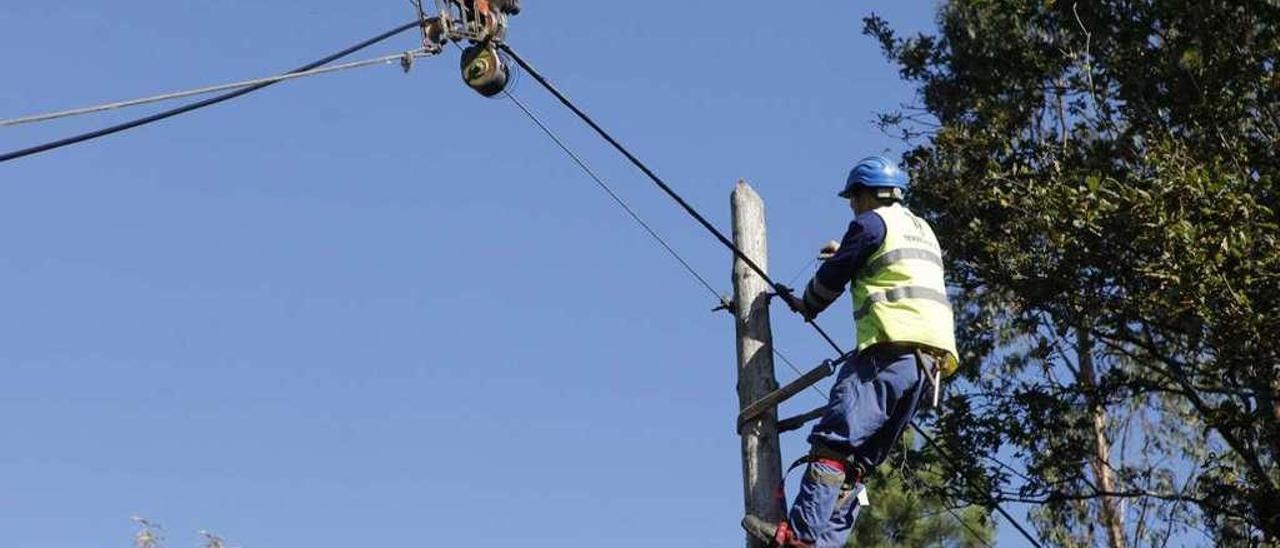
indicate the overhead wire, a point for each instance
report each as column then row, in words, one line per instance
column 802, row 271
column 717, row 233
column 994, row 503
column 702, row 280
column 412, row 54
column 616, row 198
column 973, row 532
column 604, row 134
column 204, row 103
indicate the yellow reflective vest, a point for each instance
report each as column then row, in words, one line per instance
column 900, row 294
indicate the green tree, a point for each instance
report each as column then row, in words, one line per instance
column 149, row 536
column 1103, row 176
column 906, row 511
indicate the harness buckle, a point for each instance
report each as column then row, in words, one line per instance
column 933, row 373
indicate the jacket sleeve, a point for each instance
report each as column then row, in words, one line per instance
column 864, row 237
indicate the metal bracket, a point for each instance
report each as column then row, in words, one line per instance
column 480, row 23
column 726, row 304
column 474, row 20
column 772, row 399
column 797, row 422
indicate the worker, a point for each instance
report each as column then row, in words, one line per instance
column 905, row 342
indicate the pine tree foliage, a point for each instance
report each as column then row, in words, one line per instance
column 906, row 510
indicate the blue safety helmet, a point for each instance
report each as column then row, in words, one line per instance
column 875, row 172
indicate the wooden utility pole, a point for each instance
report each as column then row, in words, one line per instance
column 761, row 455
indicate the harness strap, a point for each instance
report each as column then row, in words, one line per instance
column 845, row 463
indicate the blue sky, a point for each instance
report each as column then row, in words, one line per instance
column 374, row 309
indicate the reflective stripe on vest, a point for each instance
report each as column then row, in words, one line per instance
column 900, row 296
column 898, row 255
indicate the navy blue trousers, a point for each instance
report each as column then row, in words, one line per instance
column 875, row 396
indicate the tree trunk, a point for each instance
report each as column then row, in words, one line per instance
column 1111, row 512
column 1275, row 412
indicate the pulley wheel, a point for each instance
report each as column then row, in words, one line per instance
column 484, row 71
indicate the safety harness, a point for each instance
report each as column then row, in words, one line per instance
column 853, row 468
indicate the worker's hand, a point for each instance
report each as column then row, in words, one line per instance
column 828, row 251
column 795, row 303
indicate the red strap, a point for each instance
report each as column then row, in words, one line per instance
column 838, row 465
column 786, row 538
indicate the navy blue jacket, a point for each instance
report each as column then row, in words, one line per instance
column 864, row 237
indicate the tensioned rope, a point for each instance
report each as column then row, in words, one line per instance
column 551, row 88
column 386, row 59
column 201, row 104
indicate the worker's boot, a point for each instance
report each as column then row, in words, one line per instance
column 760, row 529
column 777, row 535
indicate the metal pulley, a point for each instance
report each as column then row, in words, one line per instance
column 482, row 24
column 484, row 70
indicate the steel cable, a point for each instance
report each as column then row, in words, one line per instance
column 414, row 54
column 658, row 181
column 201, row 104
column 616, row 198
column 702, row 280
